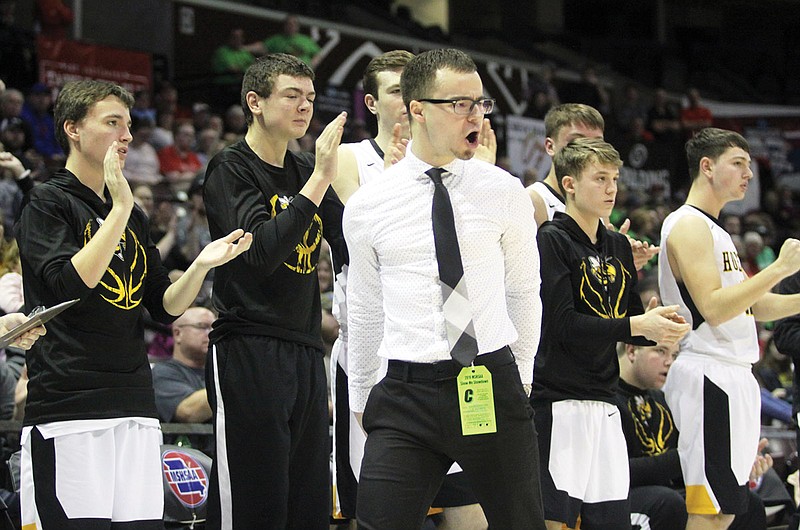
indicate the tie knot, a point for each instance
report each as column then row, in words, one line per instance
column 435, row 173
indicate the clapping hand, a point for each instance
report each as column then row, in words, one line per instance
column 642, row 250
column 397, row 148
column 487, row 143
column 115, row 181
column 224, row 249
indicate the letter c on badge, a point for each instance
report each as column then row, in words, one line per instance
column 468, row 395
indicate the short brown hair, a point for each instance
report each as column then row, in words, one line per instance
column 261, row 75
column 566, row 114
column 419, row 75
column 391, row 61
column 77, row 97
column 579, row 153
column 711, row 142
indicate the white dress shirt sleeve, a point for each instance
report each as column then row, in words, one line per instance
column 522, row 280
column 364, row 304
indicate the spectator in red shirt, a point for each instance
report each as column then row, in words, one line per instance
column 54, row 17
column 179, row 162
column 695, row 116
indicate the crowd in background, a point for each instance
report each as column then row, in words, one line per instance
column 173, row 139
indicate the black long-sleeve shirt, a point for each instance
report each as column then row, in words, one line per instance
column 92, row 363
column 272, row 289
column 588, row 295
column 651, row 437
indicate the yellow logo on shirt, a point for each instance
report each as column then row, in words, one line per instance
column 301, row 260
column 122, row 285
column 603, row 285
column 652, row 430
column 731, row 262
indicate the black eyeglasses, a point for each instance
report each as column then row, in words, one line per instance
column 464, row 106
column 204, row 327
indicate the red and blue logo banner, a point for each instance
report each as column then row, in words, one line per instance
column 186, row 478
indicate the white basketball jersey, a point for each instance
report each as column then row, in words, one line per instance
column 553, row 202
column 369, row 159
column 735, row 339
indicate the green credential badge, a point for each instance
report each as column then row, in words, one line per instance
column 476, row 401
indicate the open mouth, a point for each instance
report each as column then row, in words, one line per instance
column 472, row 138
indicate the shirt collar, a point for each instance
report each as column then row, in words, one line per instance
column 418, row 167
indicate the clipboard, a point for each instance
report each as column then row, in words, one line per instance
column 36, row 318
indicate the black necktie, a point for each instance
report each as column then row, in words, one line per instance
column 456, row 306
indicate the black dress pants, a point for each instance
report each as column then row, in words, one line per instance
column 414, row 435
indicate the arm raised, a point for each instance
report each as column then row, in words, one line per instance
column 182, row 293
column 346, row 182
column 92, row 260
column 691, row 256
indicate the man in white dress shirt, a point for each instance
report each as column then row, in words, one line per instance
column 427, row 413
column 358, row 164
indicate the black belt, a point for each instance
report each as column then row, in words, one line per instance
column 443, row 370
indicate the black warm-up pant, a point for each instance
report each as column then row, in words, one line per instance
column 270, row 471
